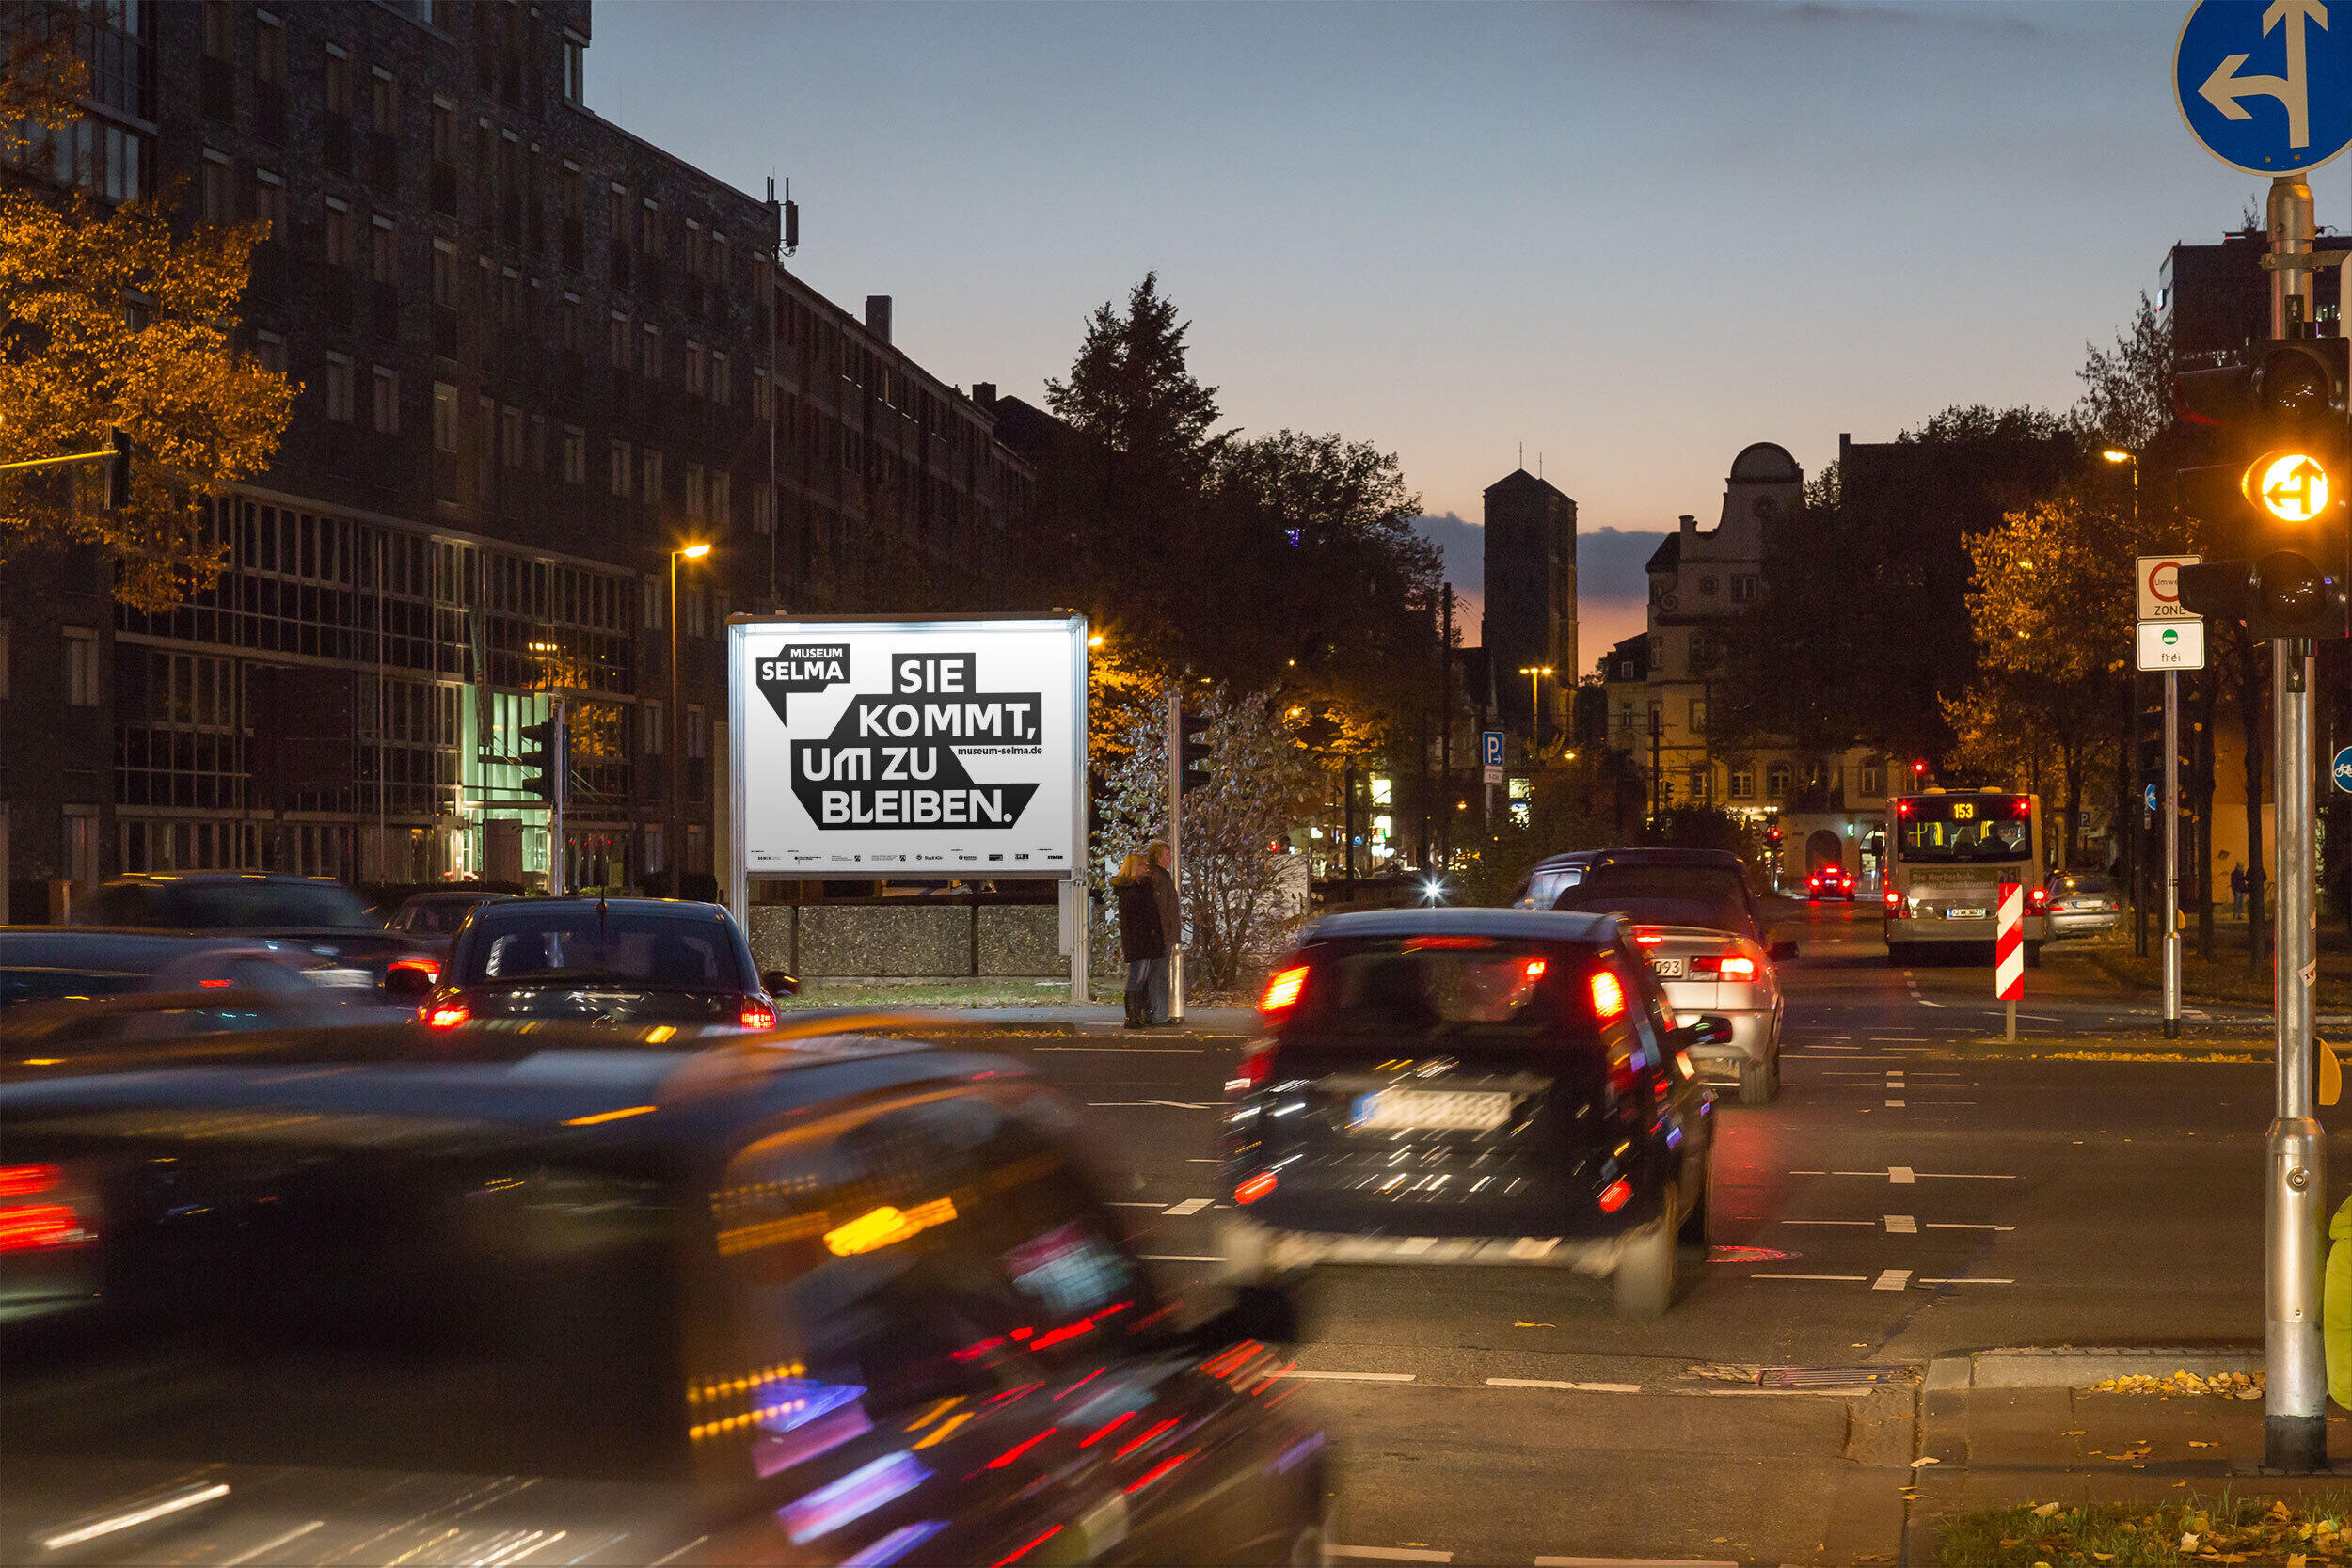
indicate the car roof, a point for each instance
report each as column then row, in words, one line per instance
column 1532, row 925
column 514, row 909
column 1639, row 855
column 451, row 896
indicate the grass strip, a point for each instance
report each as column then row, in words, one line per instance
column 2308, row 1530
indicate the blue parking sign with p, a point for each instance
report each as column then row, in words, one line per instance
column 1491, row 747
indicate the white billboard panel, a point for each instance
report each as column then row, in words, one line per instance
column 909, row 749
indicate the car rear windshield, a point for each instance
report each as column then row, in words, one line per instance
column 1435, row 986
column 1711, row 896
column 232, row 906
column 2080, row 885
column 684, row 952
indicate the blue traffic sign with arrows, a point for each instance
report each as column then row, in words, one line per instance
column 2343, row 769
column 2268, row 87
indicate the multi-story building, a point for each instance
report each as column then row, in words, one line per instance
column 2215, row 298
column 537, row 357
column 1530, row 620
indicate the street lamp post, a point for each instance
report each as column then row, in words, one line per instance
column 673, row 831
column 2171, row 802
column 1536, row 673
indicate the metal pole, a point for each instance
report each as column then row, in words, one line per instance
column 2294, row 1425
column 2171, row 854
column 1176, row 849
column 559, row 776
column 672, row 832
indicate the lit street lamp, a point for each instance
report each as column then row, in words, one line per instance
column 675, row 834
column 1536, row 673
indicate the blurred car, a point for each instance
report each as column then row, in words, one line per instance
column 75, row 987
column 1466, row 1085
column 318, row 912
column 431, row 920
column 1830, row 881
column 609, row 962
column 849, row 1300
column 2082, row 903
column 1695, row 918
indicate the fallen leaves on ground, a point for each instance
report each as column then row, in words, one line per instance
column 2312, row 1531
column 2242, row 1385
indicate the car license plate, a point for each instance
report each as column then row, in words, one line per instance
column 1443, row 1109
column 1667, row 969
column 1964, row 914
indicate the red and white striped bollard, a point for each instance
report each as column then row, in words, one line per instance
column 2009, row 951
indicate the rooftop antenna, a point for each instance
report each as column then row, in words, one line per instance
column 1522, row 454
column 1539, row 465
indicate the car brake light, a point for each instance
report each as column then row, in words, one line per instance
column 1615, row 1196
column 24, row 1180
column 28, row 1228
column 1647, row 936
column 756, row 1015
column 1608, row 996
column 1282, row 991
column 449, row 1015
column 1419, row 945
column 1255, row 1188
column 1252, row 1072
column 1726, row 969
column 429, row 968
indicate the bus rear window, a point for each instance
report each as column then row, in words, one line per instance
column 1963, row 828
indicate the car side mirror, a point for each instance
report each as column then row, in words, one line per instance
column 780, row 984
column 410, row 985
column 1782, row 951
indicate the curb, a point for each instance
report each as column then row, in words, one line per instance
column 2077, row 1367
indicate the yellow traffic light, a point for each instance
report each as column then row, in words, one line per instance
column 2291, row 487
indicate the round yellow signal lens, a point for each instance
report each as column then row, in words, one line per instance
column 2291, row 487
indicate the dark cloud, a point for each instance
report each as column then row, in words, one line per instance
column 1609, row 562
column 1463, row 544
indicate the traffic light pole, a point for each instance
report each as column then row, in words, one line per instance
column 1176, row 845
column 559, row 772
column 2294, row 1425
column 2171, row 854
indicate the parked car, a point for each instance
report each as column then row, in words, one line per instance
column 1694, row 916
column 1467, row 1087
column 317, row 911
column 431, row 920
column 1830, row 881
column 610, row 961
column 854, row 1301
column 2083, row 903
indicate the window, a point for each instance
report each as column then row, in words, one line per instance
column 337, row 82
column 572, row 325
column 760, row 395
column 651, row 369
column 654, row 854
column 1743, row 783
column 697, row 382
column 383, row 251
column 575, row 70
column 723, row 500
column 649, row 471
column 444, row 417
column 690, row 601
column 763, row 509
column 1699, row 716
column 81, row 666
column 218, row 204
column 269, row 49
column 270, row 350
column 269, row 204
column 1743, row 589
column 444, row 274
column 617, row 341
column 721, row 382
column 575, row 455
column 1874, row 777
column 654, row 738
column 339, row 389
column 649, row 236
column 718, row 259
column 694, row 253
column 387, row 405
column 444, row 133
column 694, row 492
column 383, row 100
column 1776, row 779
column 511, row 437
column 621, row 486
column 338, row 233
column 220, row 30
column 697, row 745
column 538, row 443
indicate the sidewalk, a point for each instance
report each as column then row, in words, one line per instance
column 2008, row 1427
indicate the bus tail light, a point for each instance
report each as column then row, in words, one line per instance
column 1896, row 908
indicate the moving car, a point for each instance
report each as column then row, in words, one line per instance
column 1550, row 878
column 319, row 912
column 75, row 987
column 430, row 919
column 609, row 962
column 853, row 1301
column 1466, row 1086
column 2082, row 904
column 1830, row 881
column 1695, row 918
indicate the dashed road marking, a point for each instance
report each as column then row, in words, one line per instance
column 1899, row 1175
column 1895, row 1104
column 1956, row 1225
column 1901, row 1224
column 1967, row 1282
column 1553, row 1383
column 1892, row 1279
column 1390, row 1554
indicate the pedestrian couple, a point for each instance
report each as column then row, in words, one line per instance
column 1149, row 929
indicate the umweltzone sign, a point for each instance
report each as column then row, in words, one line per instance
column 909, row 749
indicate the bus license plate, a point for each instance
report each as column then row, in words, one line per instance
column 1443, row 1109
column 1667, row 969
column 1964, row 914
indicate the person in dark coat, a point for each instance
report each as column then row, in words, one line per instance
column 1171, row 924
column 1142, row 941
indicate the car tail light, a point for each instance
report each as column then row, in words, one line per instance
column 445, row 1015
column 755, row 1014
column 429, row 968
column 26, row 1180
column 1725, row 966
column 34, row 1227
column 1419, row 945
column 1282, row 991
column 1252, row 1072
column 1615, row 1196
column 1608, row 996
column 1255, row 1188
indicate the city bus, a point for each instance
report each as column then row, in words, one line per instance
column 1948, row 852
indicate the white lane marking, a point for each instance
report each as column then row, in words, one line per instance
column 1895, row 1104
column 1180, row 1257
column 1553, row 1383
column 1632, row 1562
column 1899, row 1039
column 1814, row 1173
column 1955, row 1224
column 273, row 1543
column 1190, row 1206
column 1825, row 1222
column 1352, row 1377
column 1900, row 1175
column 1901, row 1224
column 1390, row 1554
column 1201, row 1160
column 1925, row 1003
column 1892, row 1279
column 1850, row 1278
column 1967, row 1282
column 1960, row 1175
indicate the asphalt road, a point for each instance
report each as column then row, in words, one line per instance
column 1897, row 1202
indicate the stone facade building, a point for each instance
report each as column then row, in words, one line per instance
column 1530, row 617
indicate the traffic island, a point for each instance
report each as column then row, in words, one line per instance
column 2061, row 1455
